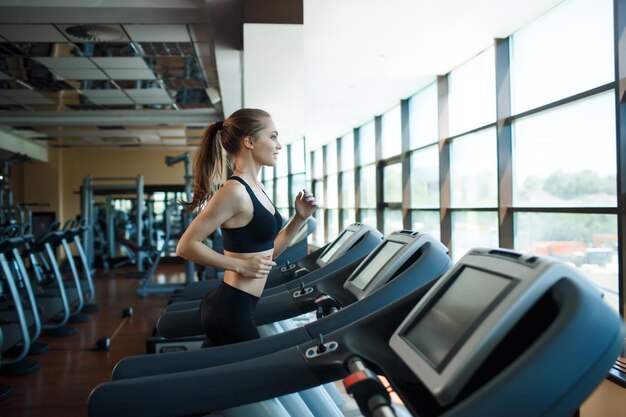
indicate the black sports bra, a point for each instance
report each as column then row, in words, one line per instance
column 259, row 234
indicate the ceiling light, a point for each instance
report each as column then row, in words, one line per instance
column 95, row 33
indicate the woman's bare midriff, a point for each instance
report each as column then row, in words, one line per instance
column 252, row 286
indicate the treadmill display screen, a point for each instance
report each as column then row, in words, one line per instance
column 442, row 330
column 369, row 271
column 326, row 256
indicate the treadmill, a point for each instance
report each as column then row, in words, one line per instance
column 356, row 240
column 403, row 262
column 501, row 333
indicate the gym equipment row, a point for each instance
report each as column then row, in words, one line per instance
column 492, row 332
column 179, row 327
column 36, row 296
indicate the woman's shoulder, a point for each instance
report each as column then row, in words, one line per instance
column 232, row 191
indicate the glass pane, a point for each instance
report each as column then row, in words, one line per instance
column 424, row 177
column 284, row 212
column 298, row 183
column 588, row 241
column 318, row 163
column 347, row 151
column 369, row 217
column 332, row 218
column 367, row 143
column 297, row 157
column 565, row 157
column 471, row 229
column 426, row 222
column 349, row 217
column 282, row 164
column 391, row 133
column 474, row 170
column 332, row 199
column 318, row 234
column 331, row 158
column 367, row 189
column 318, row 192
column 392, row 221
column 566, row 51
column 423, row 117
column 282, row 193
column 472, row 93
column 267, row 173
column 392, row 183
column 347, row 189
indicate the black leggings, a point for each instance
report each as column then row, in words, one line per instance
column 227, row 316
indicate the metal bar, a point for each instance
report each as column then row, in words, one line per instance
column 620, row 114
column 504, row 144
column 139, row 222
column 106, row 118
column 445, row 216
column 406, row 163
column 378, row 127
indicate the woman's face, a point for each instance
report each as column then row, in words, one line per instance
column 266, row 145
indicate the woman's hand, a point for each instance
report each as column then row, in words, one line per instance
column 305, row 204
column 257, row 267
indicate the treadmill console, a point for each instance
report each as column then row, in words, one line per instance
column 452, row 330
column 342, row 243
column 385, row 261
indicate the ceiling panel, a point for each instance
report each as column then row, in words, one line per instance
column 158, row 33
column 120, row 63
column 111, row 101
column 111, row 93
column 80, row 74
column 67, row 62
column 153, row 100
column 147, row 92
column 31, row 33
column 130, row 74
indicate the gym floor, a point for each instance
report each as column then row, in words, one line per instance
column 70, row 369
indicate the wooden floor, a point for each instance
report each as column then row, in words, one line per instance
column 70, row 370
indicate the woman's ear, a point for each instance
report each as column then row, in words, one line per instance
column 248, row 143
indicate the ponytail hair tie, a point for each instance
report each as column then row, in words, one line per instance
column 219, row 125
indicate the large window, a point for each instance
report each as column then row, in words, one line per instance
column 472, row 94
column 391, row 133
column 423, row 117
column 367, row 191
column 565, row 52
column 542, row 180
column 565, row 157
column 472, row 229
column 474, row 170
column 347, row 152
column 367, row 143
column 392, row 184
column 424, row 178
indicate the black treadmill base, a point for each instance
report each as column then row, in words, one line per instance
column 23, row 367
column 60, row 332
column 90, row 308
column 5, row 391
column 78, row 318
column 37, row 348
